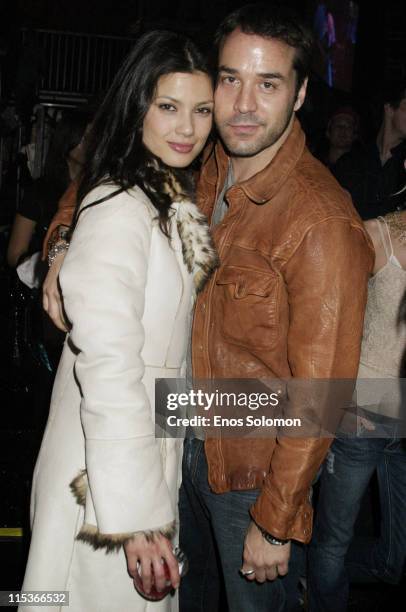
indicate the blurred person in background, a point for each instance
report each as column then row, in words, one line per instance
column 374, row 175
column 341, row 135
column 63, row 164
column 34, row 340
column 372, row 442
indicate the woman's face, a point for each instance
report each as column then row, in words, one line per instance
column 179, row 119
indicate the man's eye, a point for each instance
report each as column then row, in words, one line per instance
column 229, row 80
column 167, row 107
column 267, row 85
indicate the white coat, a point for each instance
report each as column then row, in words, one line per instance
column 128, row 293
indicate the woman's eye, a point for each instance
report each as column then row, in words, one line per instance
column 204, row 110
column 167, row 107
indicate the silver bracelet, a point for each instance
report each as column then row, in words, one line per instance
column 55, row 250
column 272, row 540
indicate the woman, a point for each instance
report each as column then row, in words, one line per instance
column 377, row 445
column 63, row 164
column 138, row 248
column 39, row 344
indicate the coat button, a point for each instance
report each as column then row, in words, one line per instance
column 305, row 531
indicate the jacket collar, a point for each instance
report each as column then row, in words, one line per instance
column 262, row 186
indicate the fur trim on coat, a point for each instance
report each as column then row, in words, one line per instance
column 111, row 542
column 199, row 253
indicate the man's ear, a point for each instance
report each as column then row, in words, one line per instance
column 388, row 110
column 301, row 94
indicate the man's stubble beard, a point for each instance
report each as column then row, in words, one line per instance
column 250, row 149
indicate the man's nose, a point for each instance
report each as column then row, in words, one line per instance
column 246, row 101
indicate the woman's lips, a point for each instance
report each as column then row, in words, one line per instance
column 181, row 148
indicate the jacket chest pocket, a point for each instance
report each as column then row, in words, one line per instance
column 248, row 302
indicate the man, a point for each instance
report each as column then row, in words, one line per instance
column 373, row 176
column 293, row 254
column 341, row 134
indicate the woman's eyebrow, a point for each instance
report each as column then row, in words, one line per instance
column 167, row 97
column 211, row 101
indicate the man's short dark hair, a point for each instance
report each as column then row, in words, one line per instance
column 272, row 20
column 394, row 93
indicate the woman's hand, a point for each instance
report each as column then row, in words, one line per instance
column 51, row 294
column 149, row 553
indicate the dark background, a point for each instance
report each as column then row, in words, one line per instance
column 380, row 51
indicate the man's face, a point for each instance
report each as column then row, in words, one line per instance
column 342, row 132
column 399, row 119
column 255, row 96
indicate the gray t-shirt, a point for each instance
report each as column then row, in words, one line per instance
column 221, row 204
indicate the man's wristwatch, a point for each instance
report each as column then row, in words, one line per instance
column 271, row 539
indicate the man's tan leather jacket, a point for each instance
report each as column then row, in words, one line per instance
column 287, row 301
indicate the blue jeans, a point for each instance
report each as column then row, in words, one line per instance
column 347, row 471
column 212, row 531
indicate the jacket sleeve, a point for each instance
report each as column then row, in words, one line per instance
column 63, row 216
column 103, row 282
column 326, row 280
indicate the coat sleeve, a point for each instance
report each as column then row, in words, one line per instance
column 326, row 281
column 63, row 216
column 103, row 282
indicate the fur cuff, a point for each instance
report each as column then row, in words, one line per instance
column 112, row 542
column 78, row 486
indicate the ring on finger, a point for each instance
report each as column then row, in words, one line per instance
column 247, row 572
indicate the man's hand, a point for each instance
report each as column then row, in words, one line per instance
column 51, row 295
column 150, row 554
column 268, row 560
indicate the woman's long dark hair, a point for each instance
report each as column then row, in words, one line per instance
column 115, row 152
